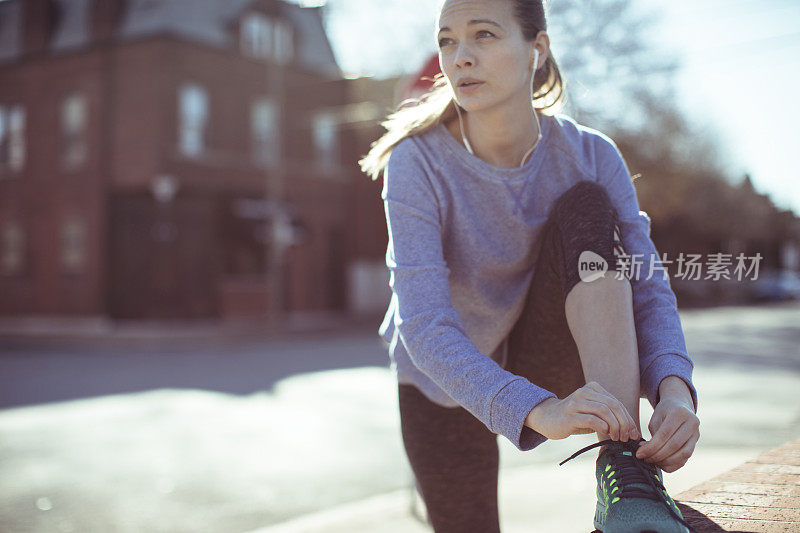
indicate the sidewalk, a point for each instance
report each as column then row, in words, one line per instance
column 252, row 434
column 761, row 495
column 567, row 507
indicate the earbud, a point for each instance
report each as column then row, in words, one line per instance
column 535, row 116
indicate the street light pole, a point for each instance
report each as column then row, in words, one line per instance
column 275, row 194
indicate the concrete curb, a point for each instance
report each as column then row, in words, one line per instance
column 396, row 512
column 391, row 508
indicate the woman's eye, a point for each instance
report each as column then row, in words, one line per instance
column 445, row 41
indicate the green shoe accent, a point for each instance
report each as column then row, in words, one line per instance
column 630, row 492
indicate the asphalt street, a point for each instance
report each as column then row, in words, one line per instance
column 249, row 432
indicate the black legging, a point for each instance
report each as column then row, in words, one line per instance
column 454, row 456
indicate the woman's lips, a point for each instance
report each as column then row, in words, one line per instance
column 472, row 87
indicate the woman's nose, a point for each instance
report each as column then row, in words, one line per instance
column 464, row 56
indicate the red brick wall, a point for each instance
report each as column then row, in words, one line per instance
column 45, row 193
column 132, row 94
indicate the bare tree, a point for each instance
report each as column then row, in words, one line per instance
column 612, row 69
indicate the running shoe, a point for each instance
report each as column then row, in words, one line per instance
column 631, row 497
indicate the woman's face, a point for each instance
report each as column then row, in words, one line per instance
column 482, row 40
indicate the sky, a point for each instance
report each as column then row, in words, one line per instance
column 740, row 70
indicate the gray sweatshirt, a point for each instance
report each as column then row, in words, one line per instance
column 462, row 235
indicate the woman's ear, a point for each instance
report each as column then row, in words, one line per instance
column 535, row 59
column 544, row 40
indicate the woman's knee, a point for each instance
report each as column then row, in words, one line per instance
column 590, row 235
column 585, row 199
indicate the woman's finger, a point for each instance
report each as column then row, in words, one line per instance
column 624, row 416
column 602, row 411
column 593, row 403
column 627, row 426
column 678, row 459
column 590, row 423
column 661, row 438
column 622, row 422
column 676, row 441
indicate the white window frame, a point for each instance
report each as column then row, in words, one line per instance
column 284, row 42
column 325, row 132
column 264, row 131
column 12, row 138
column 265, row 37
column 74, row 122
column 257, row 34
column 16, row 140
column 13, row 249
column 193, row 111
column 74, row 245
column 5, row 135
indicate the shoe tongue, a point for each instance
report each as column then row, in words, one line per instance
column 622, row 449
column 618, row 447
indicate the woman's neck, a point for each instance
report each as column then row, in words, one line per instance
column 501, row 137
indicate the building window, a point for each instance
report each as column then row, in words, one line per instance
column 193, row 111
column 325, row 139
column 74, row 115
column 263, row 37
column 284, row 42
column 256, row 35
column 264, row 131
column 12, row 249
column 12, row 138
column 5, row 136
column 16, row 141
column 73, row 246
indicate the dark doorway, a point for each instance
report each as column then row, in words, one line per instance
column 164, row 258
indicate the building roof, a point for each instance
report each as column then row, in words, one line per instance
column 73, row 28
column 208, row 22
column 10, row 30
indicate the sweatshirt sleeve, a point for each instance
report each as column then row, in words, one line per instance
column 428, row 324
column 661, row 344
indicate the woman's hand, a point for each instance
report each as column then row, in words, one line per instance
column 590, row 409
column 675, row 430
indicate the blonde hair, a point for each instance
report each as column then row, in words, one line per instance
column 415, row 116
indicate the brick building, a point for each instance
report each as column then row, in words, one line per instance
column 368, row 276
column 171, row 158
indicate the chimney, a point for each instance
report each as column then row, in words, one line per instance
column 106, row 17
column 39, row 21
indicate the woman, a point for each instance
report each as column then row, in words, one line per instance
column 505, row 225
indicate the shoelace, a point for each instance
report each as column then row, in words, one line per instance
column 632, row 470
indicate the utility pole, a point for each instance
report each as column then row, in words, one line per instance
column 275, row 190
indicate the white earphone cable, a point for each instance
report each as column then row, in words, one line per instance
column 535, row 116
